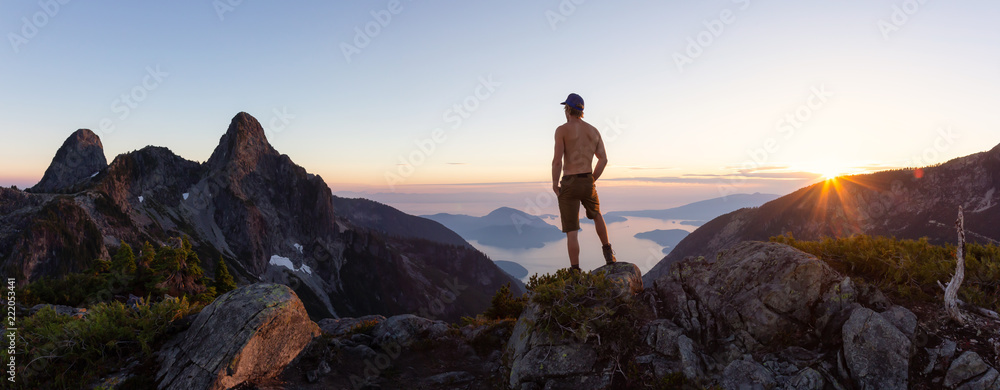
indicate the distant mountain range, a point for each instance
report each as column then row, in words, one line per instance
column 503, row 228
column 266, row 216
column 509, row 228
column 699, row 211
column 905, row 203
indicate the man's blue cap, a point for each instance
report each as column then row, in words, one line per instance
column 574, row 101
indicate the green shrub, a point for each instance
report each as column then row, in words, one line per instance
column 167, row 270
column 505, row 305
column 576, row 304
column 910, row 269
column 61, row 352
column 69, row 290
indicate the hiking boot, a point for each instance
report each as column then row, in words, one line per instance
column 575, row 268
column 609, row 255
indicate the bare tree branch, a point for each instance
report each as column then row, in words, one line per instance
column 951, row 292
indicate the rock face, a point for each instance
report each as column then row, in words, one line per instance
column 248, row 193
column 971, row 372
column 877, row 353
column 376, row 216
column 341, row 326
column 406, row 329
column 812, row 325
column 764, row 293
column 901, row 203
column 247, row 334
column 45, row 235
column 80, row 157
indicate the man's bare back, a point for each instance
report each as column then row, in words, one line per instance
column 581, row 142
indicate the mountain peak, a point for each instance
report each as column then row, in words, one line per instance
column 79, row 157
column 244, row 142
column 505, row 211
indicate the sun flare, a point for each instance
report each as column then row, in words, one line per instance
column 829, row 171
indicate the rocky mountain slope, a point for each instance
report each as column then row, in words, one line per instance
column 761, row 316
column 909, row 203
column 373, row 215
column 266, row 216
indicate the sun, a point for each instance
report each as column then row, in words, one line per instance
column 829, row 171
column 830, row 175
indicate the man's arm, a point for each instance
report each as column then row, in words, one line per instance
column 602, row 158
column 557, row 161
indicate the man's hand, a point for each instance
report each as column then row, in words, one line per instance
column 555, row 188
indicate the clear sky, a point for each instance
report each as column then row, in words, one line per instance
column 695, row 98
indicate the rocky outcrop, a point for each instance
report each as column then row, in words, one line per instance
column 340, row 326
column 761, row 316
column 811, row 325
column 401, row 352
column 969, row 371
column 908, row 204
column 248, row 334
column 762, row 293
column 79, row 158
column 876, row 352
column 544, row 359
column 407, row 329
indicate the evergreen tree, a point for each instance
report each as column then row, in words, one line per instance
column 124, row 260
column 147, row 255
column 223, row 279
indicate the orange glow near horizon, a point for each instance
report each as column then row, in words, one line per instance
column 849, row 218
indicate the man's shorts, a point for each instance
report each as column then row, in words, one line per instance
column 574, row 190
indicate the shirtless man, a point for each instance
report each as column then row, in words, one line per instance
column 576, row 144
